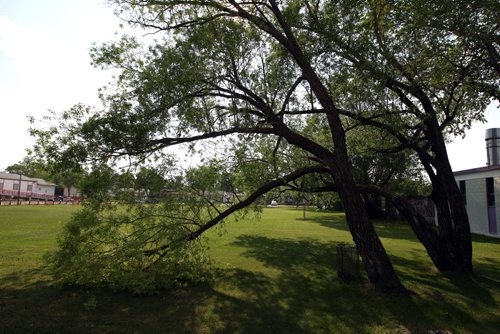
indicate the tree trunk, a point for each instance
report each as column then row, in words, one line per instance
column 451, row 248
column 453, row 224
column 448, row 245
column 379, row 268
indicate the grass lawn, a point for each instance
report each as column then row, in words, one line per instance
column 274, row 275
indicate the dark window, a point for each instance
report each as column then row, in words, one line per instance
column 30, row 187
column 490, row 198
column 16, row 186
column 490, row 192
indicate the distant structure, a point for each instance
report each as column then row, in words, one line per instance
column 20, row 186
column 273, row 204
column 481, row 189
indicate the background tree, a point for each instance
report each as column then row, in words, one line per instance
column 151, row 182
column 397, row 172
column 30, row 168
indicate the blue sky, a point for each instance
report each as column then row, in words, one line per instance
column 44, row 64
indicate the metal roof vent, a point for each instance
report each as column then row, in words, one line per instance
column 493, row 146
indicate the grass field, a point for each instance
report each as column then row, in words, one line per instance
column 274, row 275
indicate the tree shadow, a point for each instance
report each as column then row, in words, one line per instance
column 386, row 228
column 301, row 295
column 459, row 298
column 308, row 288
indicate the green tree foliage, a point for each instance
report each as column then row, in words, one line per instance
column 419, row 72
column 30, row 168
column 122, row 246
column 280, row 81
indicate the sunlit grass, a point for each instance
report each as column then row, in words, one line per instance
column 276, row 274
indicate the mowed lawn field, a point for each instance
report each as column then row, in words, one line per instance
column 276, row 274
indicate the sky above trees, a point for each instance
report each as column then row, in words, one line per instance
column 44, row 64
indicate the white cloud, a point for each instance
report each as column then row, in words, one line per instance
column 46, row 66
column 19, row 42
column 470, row 152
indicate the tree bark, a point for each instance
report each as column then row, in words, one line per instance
column 379, row 268
column 453, row 222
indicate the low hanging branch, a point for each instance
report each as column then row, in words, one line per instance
column 163, row 250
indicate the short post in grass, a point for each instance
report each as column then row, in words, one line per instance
column 347, row 262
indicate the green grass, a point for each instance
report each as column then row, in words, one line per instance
column 274, row 275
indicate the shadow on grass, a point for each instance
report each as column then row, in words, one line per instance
column 309, row 289
column 464, row 300
column 309, row 293
column 305, row 296
column 386, row 228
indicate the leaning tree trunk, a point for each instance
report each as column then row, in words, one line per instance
column 379, row 268
column 453, row 224
column 452, row 251
column 428, row 233
column 380, row 271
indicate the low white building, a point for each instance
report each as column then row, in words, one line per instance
column 71, row 192
column 15, row 185
column 481, row 189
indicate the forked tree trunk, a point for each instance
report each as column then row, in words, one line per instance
column 452, row 220
column 447, row 241
column 453, row 226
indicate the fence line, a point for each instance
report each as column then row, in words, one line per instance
column 14, row 201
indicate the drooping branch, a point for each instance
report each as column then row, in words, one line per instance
column 171, row 141
column 265, row 188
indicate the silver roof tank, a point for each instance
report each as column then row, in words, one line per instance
column 493, row 146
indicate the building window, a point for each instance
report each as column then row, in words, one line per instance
column 1, row 186
column 16, row 186
column 490, row 198
column 490, row 192
column 463, row 190
column 30, row 187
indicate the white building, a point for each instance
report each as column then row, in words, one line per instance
column 15, row 185
column 481, row 189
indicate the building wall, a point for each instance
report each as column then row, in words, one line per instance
column 497, row 202
column 46, row 190
column 477, row 207
column 72, row 192
column 30, row 188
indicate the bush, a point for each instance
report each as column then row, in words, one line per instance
column 138, row 248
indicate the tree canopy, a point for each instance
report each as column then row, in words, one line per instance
column 276, row 90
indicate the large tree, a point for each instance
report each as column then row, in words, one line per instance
column 419, row 71
column 218, row 69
